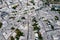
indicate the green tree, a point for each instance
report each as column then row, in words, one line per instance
column 23, row 18
column 32, row 1
column 12, row 28
column 0, row 24
column 19, row 33
column 56, row 18
column 12, row 38
column 52, row 9
column 40, row 36
column 52, row 27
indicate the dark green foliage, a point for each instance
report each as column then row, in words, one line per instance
column 32, row 1
column 57, row 0
column 28, row 4
column 19, row 21
column 12, row 18
column 25, row 13
column 52, row 9
column 40, row 36
column 19, row 33
column 52, row 27
column 23, row 18
column 14, row 11
column 0, row 24
column 59, row 12
column 46, row 20
column 35, row 27
column 14, row 7
column 17, row 38
column 12, row 38
column 56, row 18
column 32, row 8
column 34, row 20
column 12, row 28
column 35, row 24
